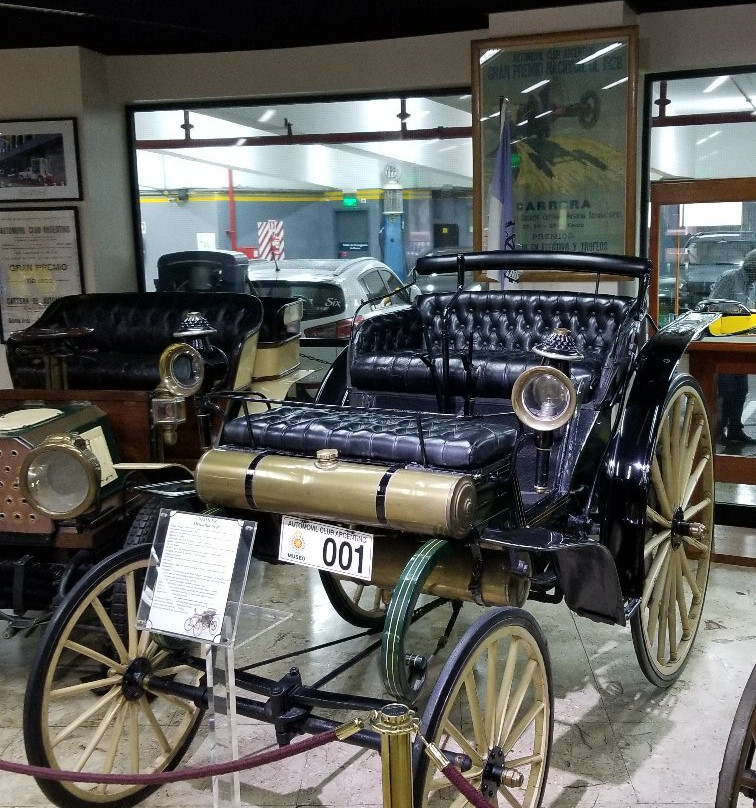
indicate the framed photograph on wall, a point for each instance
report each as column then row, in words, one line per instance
column 39, row 160
column 554, row 141
column 40, row 261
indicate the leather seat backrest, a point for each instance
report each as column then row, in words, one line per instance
column 518, row 320
column 140, row 325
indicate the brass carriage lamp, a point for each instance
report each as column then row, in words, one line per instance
column 182, row 373
column 544, row 397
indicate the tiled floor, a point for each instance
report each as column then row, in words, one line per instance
column 618, row 741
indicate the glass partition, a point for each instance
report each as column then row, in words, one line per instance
column 388, row 177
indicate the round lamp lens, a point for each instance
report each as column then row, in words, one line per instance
column 58, row 482
column 546, row 397
column 184, row 370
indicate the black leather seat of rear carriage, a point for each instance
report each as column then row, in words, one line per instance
column 378, row 435
column 129, row 332
column 400, row 351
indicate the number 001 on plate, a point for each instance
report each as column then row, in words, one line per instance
column 326, row 547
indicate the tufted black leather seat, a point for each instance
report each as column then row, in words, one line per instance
column 380, row 435
column 130, row 331
column 400, row 352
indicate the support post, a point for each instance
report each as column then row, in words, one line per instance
column 395, row 723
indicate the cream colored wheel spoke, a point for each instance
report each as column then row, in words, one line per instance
column 457, row 735
column 685, row 439
column 131, row 610
column 682, row 607
column 657, row 517
column 661, row 633
column 107, row 766
column 659, row 561
column 694, row 510
column 111, row 630
column 665, row 507
column 82, row 719
column 672, row 606
column 686, row 466
column 516, row 732
column 96, row 656
column 97, row 737
column 144, row 706
column 94, row 684
column 653, row 543
column 656, row 599
column 693, row 481
column 502, row 699
column 476, row 716
column 664, row 455
column 515, row 704
column 510, row 797
column 690, row 579
column 134, row 737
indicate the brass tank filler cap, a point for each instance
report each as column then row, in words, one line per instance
column 326, row 458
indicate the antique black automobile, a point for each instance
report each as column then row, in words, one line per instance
column 495, row 446
column 95, row 410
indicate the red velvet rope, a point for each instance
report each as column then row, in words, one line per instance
column 211, row 770
column 473, row 796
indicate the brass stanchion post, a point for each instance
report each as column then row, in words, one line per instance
column 395, row 723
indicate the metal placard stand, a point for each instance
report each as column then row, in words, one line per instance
column 194, row 589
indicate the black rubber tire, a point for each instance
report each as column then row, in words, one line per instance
column 671, row 560
column 345, row 606
column 510, row 630
column 737, row 774
column 57, row 664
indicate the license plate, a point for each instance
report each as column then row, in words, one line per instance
column 326, row 547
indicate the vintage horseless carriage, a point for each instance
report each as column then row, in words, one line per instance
column 496, row 446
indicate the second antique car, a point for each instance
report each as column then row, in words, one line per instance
column 496, row 446
column 98, row 407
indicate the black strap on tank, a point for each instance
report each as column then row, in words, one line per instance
column 380, row 494
column 249, row 480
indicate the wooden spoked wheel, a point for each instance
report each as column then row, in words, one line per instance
column 737, row 777
column 494, row 703
column 88, row 706
column 358, row 602
column 679, row 536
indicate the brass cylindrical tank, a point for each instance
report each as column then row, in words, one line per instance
column 423, row 501
column 452, row 576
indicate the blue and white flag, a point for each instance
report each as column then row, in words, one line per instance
column 501, row 218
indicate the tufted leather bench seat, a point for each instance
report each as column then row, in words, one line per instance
column 379, row 435
column 130, row 331
column 400, row 352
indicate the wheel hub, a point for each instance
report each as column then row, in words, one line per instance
column 133, row 677
column 495, row 773
column 681, row 528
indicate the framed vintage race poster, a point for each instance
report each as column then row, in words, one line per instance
column 554, row 141
column 40, row 261
column 39, row 160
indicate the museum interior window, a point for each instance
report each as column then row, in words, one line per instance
column 305, row 179
column 701, row 174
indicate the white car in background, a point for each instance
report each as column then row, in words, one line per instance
column 333, row 291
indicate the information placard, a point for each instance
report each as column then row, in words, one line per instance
column 39, row 262
column 197, row 576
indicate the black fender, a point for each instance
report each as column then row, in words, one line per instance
column 584, row 568
column 333, row 388
column 622, row 486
